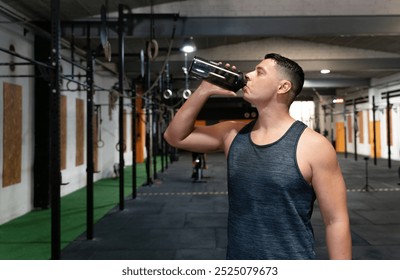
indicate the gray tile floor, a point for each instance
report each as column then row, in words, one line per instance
column 178, row 219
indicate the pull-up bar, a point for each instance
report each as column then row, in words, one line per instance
column 38, row 63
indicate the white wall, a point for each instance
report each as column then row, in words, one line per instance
column 379, row 88
column 304, row 111
column 76, row 175
column 376, row 90
column 16, row 200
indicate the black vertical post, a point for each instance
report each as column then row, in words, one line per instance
column 134, row 135
column 89, row 141
column 166, row 153
column 154, row 136
column 149, row 121
column 55, row 174
column 374, row 127
column 162, row 146
column 162, row 156
column 160, row 122
column 367, row 187
column 355, row 125
column 42, row 119
column 166, row 147
column 388, row 125
column 166, row 115
column 121, row 71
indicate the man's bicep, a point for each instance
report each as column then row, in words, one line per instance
column 329, row 186
column 204, row 139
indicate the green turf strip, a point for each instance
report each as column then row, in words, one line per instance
column 29, row 237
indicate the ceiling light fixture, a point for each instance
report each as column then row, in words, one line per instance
column 188, row 46
column 325, row 71
column 338, row 100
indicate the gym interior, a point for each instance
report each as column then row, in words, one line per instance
column 89, row 87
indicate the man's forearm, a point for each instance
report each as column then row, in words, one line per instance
column 338, row 239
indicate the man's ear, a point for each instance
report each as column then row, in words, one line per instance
column 284, row 87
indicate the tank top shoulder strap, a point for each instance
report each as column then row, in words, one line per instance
column 295, row 131
column 248, row 127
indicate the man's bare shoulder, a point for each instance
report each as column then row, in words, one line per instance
column 316, row 146
column 315, row 137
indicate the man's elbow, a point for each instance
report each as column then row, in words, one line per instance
column 170, row 139
column 167, row 137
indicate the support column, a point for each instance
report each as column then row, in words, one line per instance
column 134, row 135
column 89, row 143
column 121, row 71
column 388, row 107
column 55, row 174
column 355, row 126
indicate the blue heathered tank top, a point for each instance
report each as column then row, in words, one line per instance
column 270, row 203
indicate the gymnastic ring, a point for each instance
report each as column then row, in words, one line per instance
column 117, row 147
column 100, row 144
column 186, row 93
column 167, row 94
column 69, row 88
column 153, row 43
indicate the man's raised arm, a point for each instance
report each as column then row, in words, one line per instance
column 182, row 133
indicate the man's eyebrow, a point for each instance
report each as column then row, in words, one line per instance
column 260, row 68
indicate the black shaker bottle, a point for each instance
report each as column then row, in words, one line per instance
column 216, row 74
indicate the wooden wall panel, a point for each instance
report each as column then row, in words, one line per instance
column 12, row 134
column 369, row 129
column 140, row 137
column 340, row 137
column 63, row 132
column 361, row 126
column 378, row 138
column 80, row 132
column 349, row 129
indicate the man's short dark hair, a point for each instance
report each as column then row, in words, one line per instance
column 291, row 68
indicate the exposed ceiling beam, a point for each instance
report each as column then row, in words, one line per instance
column 384, row 64
column 248, row 26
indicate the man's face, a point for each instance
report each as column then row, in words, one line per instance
column 263, row 82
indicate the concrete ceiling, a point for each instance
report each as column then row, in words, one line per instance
column 357, row 42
